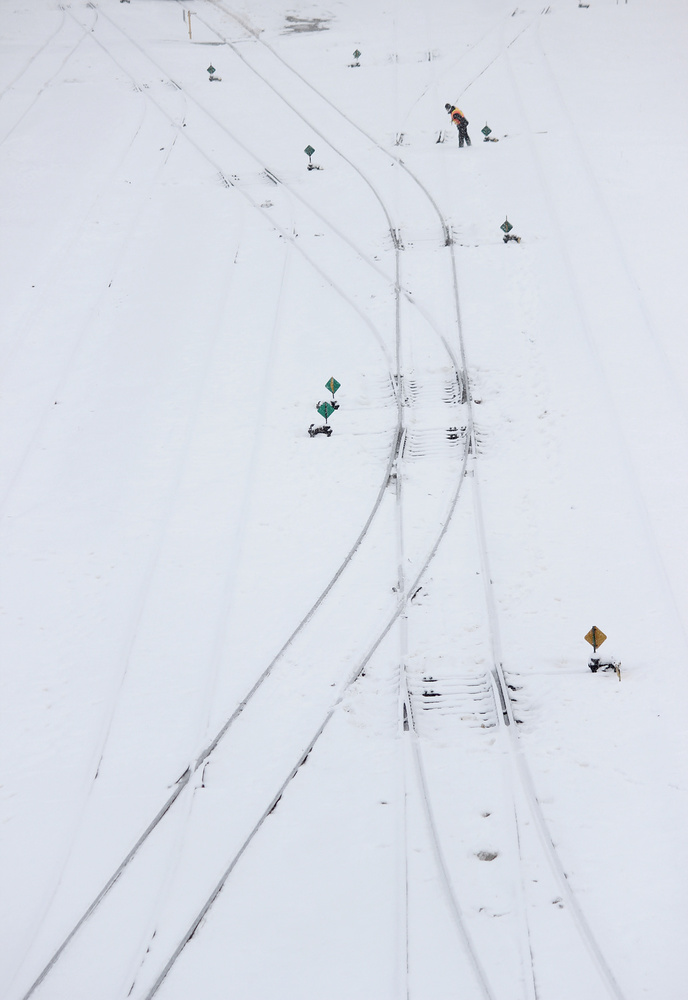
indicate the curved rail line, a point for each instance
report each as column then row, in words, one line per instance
column 523, row 770
column 506, row 716
column 497, row 672
column 460, row 361
column 401, row 606
column 202, row 758
column 86, row 32
column 31, row 60
column 400, row 291
column 501, row 688
column 497, row 675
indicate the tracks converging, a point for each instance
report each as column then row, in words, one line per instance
column 203, row 757
column 491, row 690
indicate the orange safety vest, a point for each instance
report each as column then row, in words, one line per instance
column 457, row 115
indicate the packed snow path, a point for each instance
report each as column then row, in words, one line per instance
column 209, row 600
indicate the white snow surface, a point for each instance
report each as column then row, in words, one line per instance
column 195, row 594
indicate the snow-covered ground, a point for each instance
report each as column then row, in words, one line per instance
column 288, row 717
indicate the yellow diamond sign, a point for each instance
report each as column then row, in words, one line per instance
column 595, row 637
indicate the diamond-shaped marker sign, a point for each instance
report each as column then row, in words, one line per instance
column 595, row 637
column 506, row 226
column 332, row 384
column 211, row 69
column 357, row 54
column 309, row 151
column 325, row 409
column 487, row 130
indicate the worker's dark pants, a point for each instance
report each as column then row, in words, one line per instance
column 463, row 134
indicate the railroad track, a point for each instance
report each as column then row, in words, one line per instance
column 203, row 757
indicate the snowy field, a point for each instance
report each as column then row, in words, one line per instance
column 309, row 718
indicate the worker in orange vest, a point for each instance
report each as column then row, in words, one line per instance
column 459, row 119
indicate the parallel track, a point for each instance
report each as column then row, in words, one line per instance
column 497, row 677
column 203, row 757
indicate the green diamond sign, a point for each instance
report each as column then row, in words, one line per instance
column 357, row 54
column 309, row 150
column 506, row 226
column 487, row 130
column 332, row 384
column 325, row 410
column 211, row 69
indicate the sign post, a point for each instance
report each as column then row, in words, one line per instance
column 332, row 384
column 326, row 410
column 595, row 637
column 506, row 228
